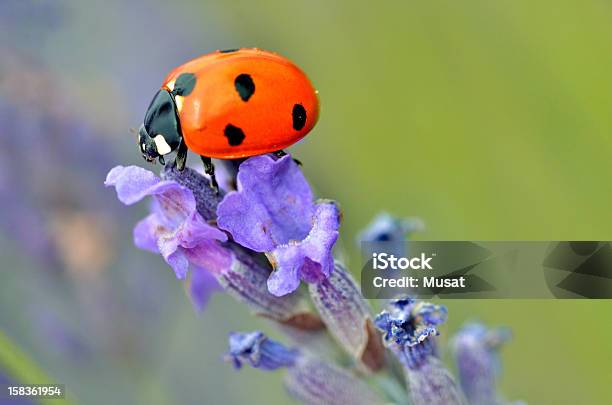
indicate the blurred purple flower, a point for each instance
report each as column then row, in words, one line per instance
column 386, row 227
column 387, row 233
column 409, row 329
column 273, row 212
column 44, row 140
column 476, row 355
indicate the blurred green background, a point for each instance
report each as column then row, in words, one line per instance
column 489, row 120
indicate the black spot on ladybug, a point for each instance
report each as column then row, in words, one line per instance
column 228, row 50
column 299, row 116
column 244, row 86
column 184, row 84
column 234, row 135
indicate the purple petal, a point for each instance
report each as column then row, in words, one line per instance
column 145, row 233
column 202, row 284
column 311, row 259
column 195, row 244
column 195, row 231
column 273, row 204
column 283, row 281
column 176, row 246
column 172, row 201
column 210, row 255
column 206, row 198
column 176, row 259
column 134, row 183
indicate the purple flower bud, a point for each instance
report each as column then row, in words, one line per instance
column 259, row 351
column 476, row 355
column 407, row 323
column 314, row 381
column 433, row 384
column 348, row 317
column 409, row 330
column 273, row 212
column 201, row 286
column 309, row 379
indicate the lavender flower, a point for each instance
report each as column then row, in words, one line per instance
column 174, row 229
column 348, row 317
column 273, row 212
column 476, row 355
column 409, row 329
column 272, row 206
column 179, row 228
column 309, row 379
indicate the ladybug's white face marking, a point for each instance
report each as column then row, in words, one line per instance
column 162, row 146
column 170, row 85
column 178, row 100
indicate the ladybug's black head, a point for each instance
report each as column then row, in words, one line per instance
column 160, row 133
column 147, row 145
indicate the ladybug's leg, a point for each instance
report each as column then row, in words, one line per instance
column 280, row 153
column 209, row 169
column 181, row 156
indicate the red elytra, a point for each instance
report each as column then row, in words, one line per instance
column 241, row 103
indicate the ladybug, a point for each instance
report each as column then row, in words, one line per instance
column 229, row 104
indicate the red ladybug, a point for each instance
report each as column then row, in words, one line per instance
column 229, row 105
